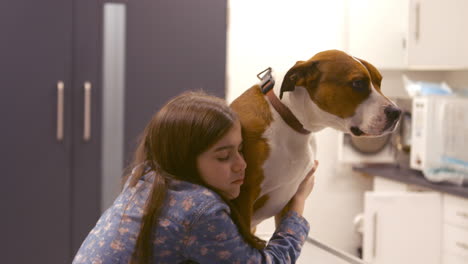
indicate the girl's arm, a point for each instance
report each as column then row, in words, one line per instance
column 214, row 238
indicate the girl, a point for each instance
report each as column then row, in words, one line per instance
column 175, row 206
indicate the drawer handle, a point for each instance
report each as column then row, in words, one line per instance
column 462, row 245
column 60, row 107
column 462, row 214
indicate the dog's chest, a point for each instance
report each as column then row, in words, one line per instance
column 291, row 157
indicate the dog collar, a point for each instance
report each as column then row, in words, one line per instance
column 286, row 113
column 266, row 85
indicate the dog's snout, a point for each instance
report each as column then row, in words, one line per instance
column 392, row 113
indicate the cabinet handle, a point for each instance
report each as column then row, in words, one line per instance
column 374, row 236
column 462, row 245
column 417, row 24
column 87, row 112
column 462, row 214
column 60, row 106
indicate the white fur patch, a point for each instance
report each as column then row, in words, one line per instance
column 291, row 157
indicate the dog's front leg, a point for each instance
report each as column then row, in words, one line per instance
column 280, row 215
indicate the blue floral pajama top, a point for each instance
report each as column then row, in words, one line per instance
column 194, row 225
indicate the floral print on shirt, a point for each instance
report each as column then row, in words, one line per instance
column 195, row 225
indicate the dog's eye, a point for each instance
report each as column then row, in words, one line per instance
column 359, row 85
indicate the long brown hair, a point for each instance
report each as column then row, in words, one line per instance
column 185, row 127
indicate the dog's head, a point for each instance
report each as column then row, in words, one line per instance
column 346, row 90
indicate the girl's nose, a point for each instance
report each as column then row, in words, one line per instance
column 240, row 163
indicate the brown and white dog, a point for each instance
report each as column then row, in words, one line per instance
column 332, row 89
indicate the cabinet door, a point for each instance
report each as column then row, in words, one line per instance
column 414, row 34
column 437, row 34
column 35, row 55
column 378, row 30
column 86, row 116
column 402, row 228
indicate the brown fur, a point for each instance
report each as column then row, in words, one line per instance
column 255, row 116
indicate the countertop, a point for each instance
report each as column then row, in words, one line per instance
column 410, row 176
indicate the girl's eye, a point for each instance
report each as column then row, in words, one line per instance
column 224, row 158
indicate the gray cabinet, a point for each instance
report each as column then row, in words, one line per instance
column 50, row 58
column 37, row 143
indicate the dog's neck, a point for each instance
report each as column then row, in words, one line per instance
column 306, row 111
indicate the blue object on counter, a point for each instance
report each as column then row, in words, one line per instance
column 447, row 175
column 418, row 88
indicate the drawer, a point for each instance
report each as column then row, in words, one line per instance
column 455, row 241
column 455, row 211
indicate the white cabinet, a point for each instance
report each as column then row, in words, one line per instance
column 406, row 223
column 409, row 34
column 402, row 227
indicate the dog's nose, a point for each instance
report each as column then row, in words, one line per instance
column 392, row 113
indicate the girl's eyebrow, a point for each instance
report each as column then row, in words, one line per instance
column 223, row 148
column 226, row 147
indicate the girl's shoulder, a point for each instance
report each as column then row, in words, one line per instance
column 182, row 197
column 189, row 200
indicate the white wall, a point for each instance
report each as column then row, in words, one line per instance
column 263, row 33
column 278, row 33
column 458, row 80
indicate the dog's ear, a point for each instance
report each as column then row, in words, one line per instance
column 374, row 73
column 295, row 74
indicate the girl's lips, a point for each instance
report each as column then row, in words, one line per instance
column 239, row 181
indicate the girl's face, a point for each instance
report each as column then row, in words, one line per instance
column 222, row 166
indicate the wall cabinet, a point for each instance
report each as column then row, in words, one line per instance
column 409, row 34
